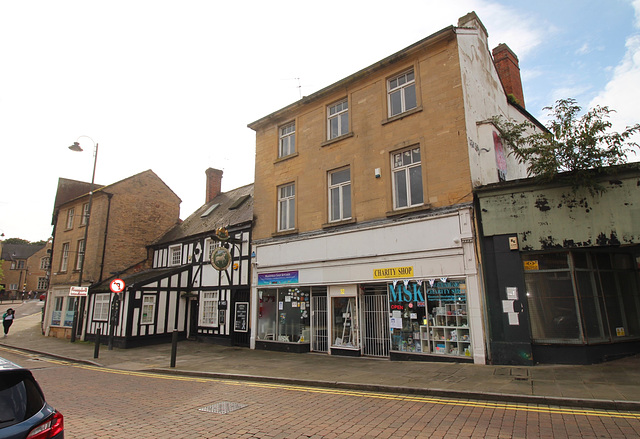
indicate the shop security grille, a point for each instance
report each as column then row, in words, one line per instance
column 375, row 314
column 319, row 340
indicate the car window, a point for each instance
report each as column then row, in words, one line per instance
column 20, row 397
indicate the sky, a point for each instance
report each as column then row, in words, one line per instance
column 171, row 85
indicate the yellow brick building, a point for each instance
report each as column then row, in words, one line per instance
column 363, row 204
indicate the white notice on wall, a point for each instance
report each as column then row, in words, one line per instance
column 513, row 318
column 396, row 314
column 395, row 323
column 507, row 306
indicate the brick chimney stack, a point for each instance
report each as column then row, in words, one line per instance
column 508, row 67
column 214, row 183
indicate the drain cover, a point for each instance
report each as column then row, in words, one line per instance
column 222, row 407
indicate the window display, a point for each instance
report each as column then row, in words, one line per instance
column 346, row 332
column 430, row 317
column 283, row 314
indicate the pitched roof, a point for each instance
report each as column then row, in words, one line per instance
column 18, row 251
column 227, row 209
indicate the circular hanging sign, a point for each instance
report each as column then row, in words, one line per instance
column 220, row 258
column 117, row 285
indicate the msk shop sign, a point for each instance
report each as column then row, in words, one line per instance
column 392, row 273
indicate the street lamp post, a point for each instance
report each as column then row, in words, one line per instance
column 77, row 148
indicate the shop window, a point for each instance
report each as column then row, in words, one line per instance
column 582, row 297
column 430, row 317
column 283, row 315
column 346, row 333
column 56, row 315
column 209, row 308
column 101, row 307
column 148, row 310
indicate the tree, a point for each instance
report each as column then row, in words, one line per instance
column 571, row 143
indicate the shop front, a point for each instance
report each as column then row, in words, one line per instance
column 430, row 318
column 375, row 292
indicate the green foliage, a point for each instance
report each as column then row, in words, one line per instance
column 21, row 241
column 571, row 143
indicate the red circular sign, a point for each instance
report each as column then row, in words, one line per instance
column 117, row 285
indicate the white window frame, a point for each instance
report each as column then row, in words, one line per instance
column 85, row 214
column 338, row 113
column 286, row 207
column 101, row 307
column 340, row 190
column 209, row 246
column 175, row 255
column 148, row 310
column 209, row 308
column 400, row 85
column 42, row 283
column 404, row 165
column 64, row 262
column 45, row 263
column 80, row 256
column 70, row 215
column 287, row 139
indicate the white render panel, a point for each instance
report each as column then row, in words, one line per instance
column 161, row 312
column 381, row 243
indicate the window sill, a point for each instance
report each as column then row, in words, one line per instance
column 339, row 223
column 286, row 157
column 408, row 210
column 337, row 139
column 402, row 115
column 285, row 233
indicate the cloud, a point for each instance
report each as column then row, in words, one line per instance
column 622, row 93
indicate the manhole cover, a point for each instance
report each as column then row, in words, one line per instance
column 222, row 407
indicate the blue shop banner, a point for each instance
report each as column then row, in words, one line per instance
column 283, row 277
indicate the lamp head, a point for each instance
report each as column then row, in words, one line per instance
column 76, row 147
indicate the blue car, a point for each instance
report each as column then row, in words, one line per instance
column 24, row 413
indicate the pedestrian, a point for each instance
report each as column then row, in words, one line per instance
column 7, row 320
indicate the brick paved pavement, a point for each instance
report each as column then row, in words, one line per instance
column 612, row 385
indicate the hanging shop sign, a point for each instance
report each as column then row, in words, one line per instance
column 391, row 273
column 220, row 258
column 222, row 233
column 279, row 278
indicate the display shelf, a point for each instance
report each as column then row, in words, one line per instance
column 449, row 332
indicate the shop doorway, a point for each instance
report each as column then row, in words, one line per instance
column 375, row 321
column 319, row 337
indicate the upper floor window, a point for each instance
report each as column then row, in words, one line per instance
column 42, row 283
column 286, row 207
column 85, row 214
column 80, row 259
column 175, row 255
column 401, row 91
column 287, row 143
column 407, row 178
column 70, row 215
column 340, row 195
column 64, row 263
column 44, row 263
column 337, row 119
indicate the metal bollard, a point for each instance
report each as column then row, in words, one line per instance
column 174, row 347
column 96, row 349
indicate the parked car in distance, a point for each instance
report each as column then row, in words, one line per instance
column 24, row 412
